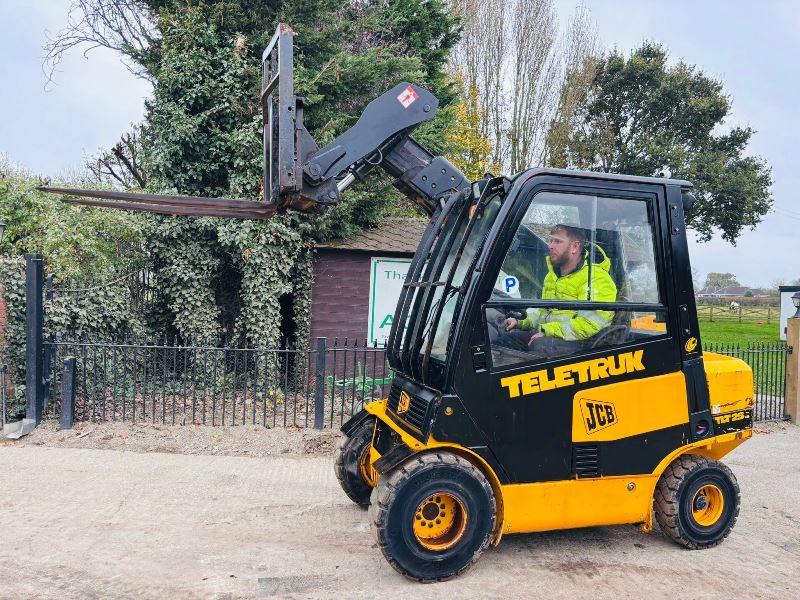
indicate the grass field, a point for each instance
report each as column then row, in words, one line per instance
column 737, row 333
column 747, row 325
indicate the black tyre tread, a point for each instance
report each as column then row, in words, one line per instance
column 387, row 486
column 666, row 499
column 348, row 446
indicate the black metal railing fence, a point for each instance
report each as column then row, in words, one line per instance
column 768, row 361
column 220, row 384
column 4, row 404
column 214, row 383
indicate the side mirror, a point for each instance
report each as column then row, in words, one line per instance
column 689, row 201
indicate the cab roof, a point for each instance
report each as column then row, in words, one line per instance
column 606, row 176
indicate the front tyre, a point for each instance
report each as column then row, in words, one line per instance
column 696, row 501
column 352, row 463
column 433, row 516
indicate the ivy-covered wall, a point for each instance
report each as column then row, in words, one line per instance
column 12, row 348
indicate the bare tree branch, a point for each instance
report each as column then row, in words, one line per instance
column 581, row 49
column 515, row 55
column 126, row 26
column 479, row 59
column 536, row 79
column 120, row 165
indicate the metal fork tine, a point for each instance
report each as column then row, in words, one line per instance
column 238, row 203
column 257, row 212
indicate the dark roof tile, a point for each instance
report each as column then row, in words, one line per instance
column 396, row 234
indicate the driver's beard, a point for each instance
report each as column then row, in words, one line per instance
column 559, row 259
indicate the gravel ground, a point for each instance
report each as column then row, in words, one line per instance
column 126, row 516
column 240, row 440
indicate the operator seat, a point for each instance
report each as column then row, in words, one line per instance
column 619, row 330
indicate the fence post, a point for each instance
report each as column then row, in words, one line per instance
column 710, row 314
column 34, row 341
column 68, row 394
column 740, row 313
column 3, row 398
column 47, row 371
column 792, row 405
column 319, row 404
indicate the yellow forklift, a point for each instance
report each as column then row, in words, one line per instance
column 549, row 371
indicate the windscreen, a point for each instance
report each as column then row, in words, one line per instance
column 429, row 305
column 447, row 296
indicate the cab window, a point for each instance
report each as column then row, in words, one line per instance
column 574, row 249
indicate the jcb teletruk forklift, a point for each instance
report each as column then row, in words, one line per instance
column 549, row 372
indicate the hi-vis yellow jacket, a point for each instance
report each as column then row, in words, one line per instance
column 574, row 324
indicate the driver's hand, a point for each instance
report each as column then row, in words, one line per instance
column 511, row 323
column 534, row 337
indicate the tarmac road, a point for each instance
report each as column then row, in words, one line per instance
column 87, row 523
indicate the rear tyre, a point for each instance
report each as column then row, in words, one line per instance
column 352, row 466
column 697, row 501
column 433, row 516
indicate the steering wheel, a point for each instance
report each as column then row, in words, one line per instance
column 606, row 337
column 519, row 315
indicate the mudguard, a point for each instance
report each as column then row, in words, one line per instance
column 355, row 421
column 391, row 459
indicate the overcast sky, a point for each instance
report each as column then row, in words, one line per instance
column 753, row 47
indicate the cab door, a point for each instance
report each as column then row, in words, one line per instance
column 572, row 368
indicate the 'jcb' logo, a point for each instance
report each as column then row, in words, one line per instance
column 405, row 402
column 597, row 415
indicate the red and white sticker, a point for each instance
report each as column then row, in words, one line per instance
column 408, row 97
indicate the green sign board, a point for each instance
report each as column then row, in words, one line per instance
column 386, row 279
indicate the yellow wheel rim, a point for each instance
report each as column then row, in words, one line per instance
column 368, row 473
column 439, row 522
column 707, row 505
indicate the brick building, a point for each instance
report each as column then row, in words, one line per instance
column 340, row 297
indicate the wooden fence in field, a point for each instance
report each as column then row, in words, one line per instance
column 741, row 314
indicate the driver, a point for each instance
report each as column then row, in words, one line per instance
column 554, row 332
